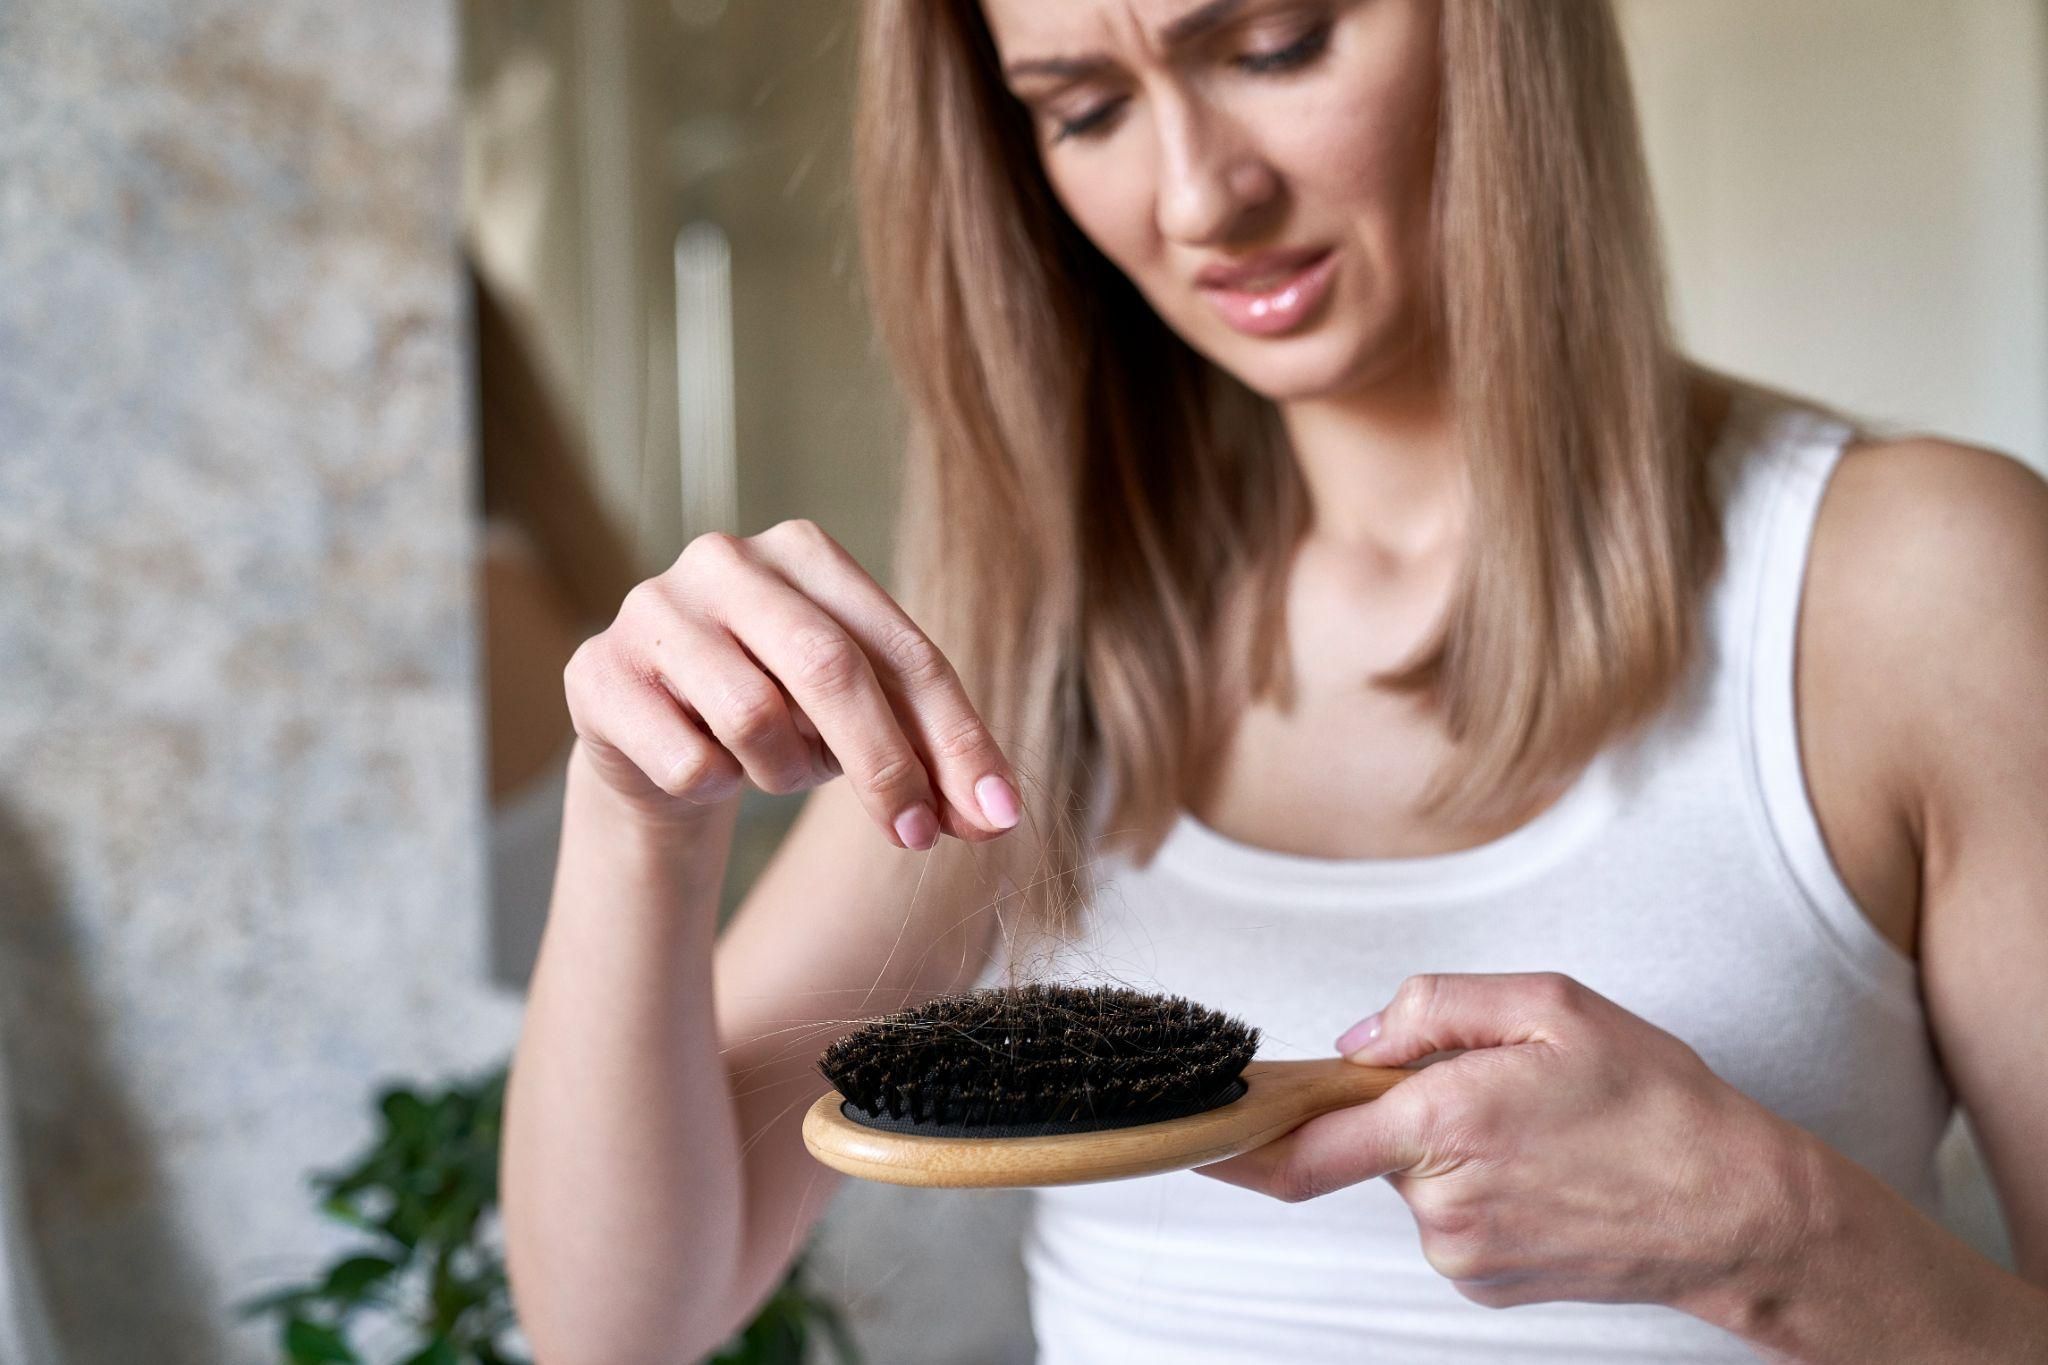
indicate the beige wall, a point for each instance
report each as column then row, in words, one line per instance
column 1855, row 197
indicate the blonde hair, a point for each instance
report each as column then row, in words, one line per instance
column 1085, row 495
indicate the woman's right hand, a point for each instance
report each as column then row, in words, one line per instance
column 776, row 659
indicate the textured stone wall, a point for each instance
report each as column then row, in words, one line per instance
column 240, row 793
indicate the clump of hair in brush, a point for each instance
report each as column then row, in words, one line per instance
column 1040, row 1058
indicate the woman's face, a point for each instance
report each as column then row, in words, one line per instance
column 1260, row 169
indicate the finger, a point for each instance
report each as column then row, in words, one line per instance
column 1442, row 1012
column 967, row 764
column 829, row 675
column 1505, row 1292
column 741, row 706
column 821, row 752
column 614, row 707
column 799, row 717
column 1340, row 1148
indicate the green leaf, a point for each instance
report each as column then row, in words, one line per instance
column 449, row 1293
column 349, row 1281
column 454, row 1218
column 774, row 1337
column 783, row 1335
column 426, row 1189
column 308, row 1343
column 343, row 1212
column 404, row 1111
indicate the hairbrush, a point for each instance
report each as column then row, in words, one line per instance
column 1057, row 1084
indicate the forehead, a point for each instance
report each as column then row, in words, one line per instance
column 1053, row 28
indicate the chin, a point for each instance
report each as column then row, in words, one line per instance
column 1303, row 368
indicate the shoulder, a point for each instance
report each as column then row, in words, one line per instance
column 1940, row 496
column 1922, row 666
column 1939, row 552
column 1930, row 541
column 1927, row 596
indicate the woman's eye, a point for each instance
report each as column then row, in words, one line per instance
column 1293, row 56
column 1298, row 53
column 1094, row 121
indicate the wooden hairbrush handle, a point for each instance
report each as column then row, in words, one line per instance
column 1279, row 1097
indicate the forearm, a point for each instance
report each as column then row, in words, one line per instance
column 622, row 1181
column 1862, row 1276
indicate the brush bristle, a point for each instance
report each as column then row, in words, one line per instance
column 1041, row 1057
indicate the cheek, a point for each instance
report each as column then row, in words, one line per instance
column 1110, row 203
column 1358, row 146
column 1362, row 160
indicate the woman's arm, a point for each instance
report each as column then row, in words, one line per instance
column 621, row 1148
column 656, row 1182
column 1969, row 531
column 1866, row 1276
column 1941, row 554
column 652, row 1189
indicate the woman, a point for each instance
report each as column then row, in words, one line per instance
column 1324, row 566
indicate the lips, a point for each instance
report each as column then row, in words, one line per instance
column 1265, row 270
column 1272, row 293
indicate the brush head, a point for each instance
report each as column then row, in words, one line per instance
column 1038, row 1059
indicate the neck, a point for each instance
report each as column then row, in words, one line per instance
column 1383, row 469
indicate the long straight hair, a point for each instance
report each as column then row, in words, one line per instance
column 1087, row 500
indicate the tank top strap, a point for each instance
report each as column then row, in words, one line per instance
column 1769, row 523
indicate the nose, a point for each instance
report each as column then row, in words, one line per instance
column 1211, row 177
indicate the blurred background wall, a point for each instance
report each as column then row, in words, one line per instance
column 241, row 822
column 1855, row 200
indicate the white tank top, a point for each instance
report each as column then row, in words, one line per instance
column 1684, row 876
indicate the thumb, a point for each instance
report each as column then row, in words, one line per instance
column 1360, row 1142
column 1451, row 1012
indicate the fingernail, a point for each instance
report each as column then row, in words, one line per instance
column 998, row 801
column 917, row 827
column 1366, row 1030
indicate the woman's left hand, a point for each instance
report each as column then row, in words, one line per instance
column 1575, row 1151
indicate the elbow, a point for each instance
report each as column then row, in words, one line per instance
column 561, row 1334
column 581, row 1307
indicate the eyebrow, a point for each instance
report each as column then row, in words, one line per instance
column 1196, row 22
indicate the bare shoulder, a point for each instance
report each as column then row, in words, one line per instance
column 1923, row 646
column 1941, row 496
column 1938, row 553
column 1932, row 558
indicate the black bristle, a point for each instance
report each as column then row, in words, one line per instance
column 1039, row 1058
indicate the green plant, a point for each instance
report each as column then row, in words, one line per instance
column 433, row 1274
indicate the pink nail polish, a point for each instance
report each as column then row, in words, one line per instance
column 917, row 827
column 998, row 801
column 1365, row 1031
